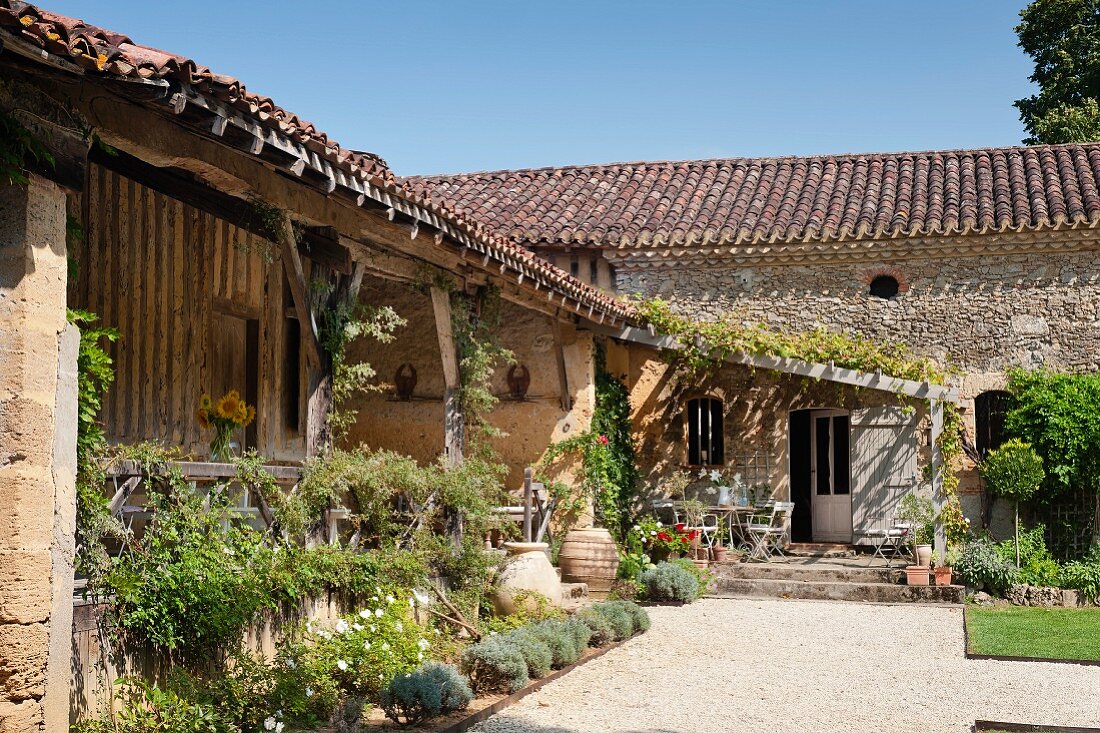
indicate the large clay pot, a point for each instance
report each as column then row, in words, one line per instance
column 924, row 555
column 590, row 556
column 528, row 569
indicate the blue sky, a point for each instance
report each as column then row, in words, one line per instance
column 457, row 86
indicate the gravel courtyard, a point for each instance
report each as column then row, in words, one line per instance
column 814, row 667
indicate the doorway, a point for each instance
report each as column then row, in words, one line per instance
column 820, row 472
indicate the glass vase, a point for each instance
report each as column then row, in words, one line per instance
column 221, row 450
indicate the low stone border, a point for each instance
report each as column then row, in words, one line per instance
column 505, row 702
column 1008, row 658
column 990, row 725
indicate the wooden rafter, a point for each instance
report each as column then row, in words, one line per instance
column 299, row 291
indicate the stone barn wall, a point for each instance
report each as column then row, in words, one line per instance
column 981, row 314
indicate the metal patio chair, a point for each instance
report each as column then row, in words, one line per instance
column 769, row 537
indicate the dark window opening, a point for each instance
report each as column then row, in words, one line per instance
column 575, row 267
column 990, row 410
column 885, row 287
column 705, row 424
column 593, row 271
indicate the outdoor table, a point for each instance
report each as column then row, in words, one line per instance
column 734, row 517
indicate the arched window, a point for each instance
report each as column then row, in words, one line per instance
column 990, row 409
column 704, row 420
column 885, row 286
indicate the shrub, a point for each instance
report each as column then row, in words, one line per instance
column 536, row 653
column 621, row 622
column 637, row 614
column 1037, row 567
column 432, row 690
column 146, row 707
column 1084, row 575
column 494, row 665
column 920, row 512
column 564, row 645
column 981, row 566
column 601, row 631
column 368, row 649
column 580, row 631
column 1013, row 471
column 670, row 582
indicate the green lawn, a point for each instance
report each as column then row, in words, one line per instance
column 1054, row 633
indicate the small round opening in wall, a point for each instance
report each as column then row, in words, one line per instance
column 884, row 286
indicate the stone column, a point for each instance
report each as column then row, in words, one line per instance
column 37, row 460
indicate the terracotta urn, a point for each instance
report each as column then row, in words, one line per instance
column 924, row 555
column 528, row 568
column 590, row 556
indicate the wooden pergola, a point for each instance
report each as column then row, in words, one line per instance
column 936, row 395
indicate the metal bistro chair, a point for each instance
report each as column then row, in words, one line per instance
column 708, row 528
column 769, row 537
column 891, row 538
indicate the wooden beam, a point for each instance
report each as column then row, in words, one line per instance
column 829, row 373
column 454, row 421
column 938, row 497
column 559, row 358
column 299, row 291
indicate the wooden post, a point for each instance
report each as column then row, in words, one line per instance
column 454, row 423
column 938, row 498
column 528, row 479
column 563, row 376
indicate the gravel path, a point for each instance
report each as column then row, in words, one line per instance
column 744, row 665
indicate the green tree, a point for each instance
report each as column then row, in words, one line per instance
column 1014, row 471
column 1063, row 38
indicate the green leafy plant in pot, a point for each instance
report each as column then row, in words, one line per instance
column 919, row 512
column 1013, row 471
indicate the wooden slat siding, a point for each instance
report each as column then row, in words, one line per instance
column 207, row 234
column 196, row 342
column 176, row 336
column 239, row 274
column 148, row 408
column 93, row 235
column 162, row 317
column 108, row 196
column 126, row 278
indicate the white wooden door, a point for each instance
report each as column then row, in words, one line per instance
column 884, row 465
column 830, row 476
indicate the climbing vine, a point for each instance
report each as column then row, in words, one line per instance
column 19, row 148
column 609, row 473
column 704, row 346
column 474, row 324
column 95, row 374
column 341, row 323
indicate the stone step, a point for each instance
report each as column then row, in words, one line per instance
column 835, row 591
column 822, row 572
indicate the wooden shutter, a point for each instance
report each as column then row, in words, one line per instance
column 884, row 465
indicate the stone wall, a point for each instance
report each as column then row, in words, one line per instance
column 37, row 459
column 983, row 314
column 415, row 427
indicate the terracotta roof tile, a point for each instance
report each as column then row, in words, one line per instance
column 105, row 52
column 792, row 199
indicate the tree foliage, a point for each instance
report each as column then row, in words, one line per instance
column 1063, row 39
column 1013, row 470
column 1057, row 415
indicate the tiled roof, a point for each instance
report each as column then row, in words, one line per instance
column 110, row 54
column 788, row 200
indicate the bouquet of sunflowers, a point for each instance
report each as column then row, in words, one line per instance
column 229, row 413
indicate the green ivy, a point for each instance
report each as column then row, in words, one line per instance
column 474, row 325
column 609, row 473
column 19, row 148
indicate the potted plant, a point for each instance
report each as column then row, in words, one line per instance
column 916, row 574
column 920, row 514
column 718, row 551
column 1013, row 471
column 943, row 569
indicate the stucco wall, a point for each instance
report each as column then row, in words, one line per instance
column 415, row 427
column 757, row 405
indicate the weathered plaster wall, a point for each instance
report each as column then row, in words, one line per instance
column 757, row 404
column 416, row 427
column 37, row 459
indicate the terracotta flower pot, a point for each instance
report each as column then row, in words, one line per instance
column 943, row 576
column 916, row 575
column 590, row 556
column 718, row 553
column 924, row 555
